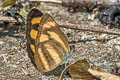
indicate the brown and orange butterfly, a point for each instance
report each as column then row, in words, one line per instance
column 46, row 43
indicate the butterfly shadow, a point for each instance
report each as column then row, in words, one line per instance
column 56, row 72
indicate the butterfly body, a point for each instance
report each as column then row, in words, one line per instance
column 46, row 43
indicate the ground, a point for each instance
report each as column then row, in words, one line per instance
column 16, row 65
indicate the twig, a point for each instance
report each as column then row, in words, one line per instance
column 9, row 19
column 71, row 26
column 49, row 1
column 92, row 29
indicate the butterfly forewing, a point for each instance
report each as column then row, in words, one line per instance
column 31, row 31
column 47, row 43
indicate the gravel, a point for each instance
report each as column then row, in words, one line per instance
column 16, row 65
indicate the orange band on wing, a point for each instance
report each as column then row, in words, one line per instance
column 35, row 20
column 33, row 34
column 32, row 47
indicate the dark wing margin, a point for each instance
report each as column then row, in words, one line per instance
column 34, row 13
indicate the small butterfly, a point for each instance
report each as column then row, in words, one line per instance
column 46, row 43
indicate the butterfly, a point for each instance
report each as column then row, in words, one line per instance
column 47, row 45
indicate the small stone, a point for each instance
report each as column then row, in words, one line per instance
column 1, row 42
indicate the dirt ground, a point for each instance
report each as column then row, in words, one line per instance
column 16, row 65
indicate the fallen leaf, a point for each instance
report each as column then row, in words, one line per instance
column 103, row 75
column 78, row 70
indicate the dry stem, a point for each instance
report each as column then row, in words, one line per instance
column 49, row 1
column 71, row 26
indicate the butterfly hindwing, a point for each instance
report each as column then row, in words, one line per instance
column 46, row 42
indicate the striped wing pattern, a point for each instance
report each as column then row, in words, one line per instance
column 46, row 43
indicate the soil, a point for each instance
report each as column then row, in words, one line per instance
column 16, row 65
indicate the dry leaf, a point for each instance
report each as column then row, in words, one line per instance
column 78, row 70
column 117, row 74
column 103, row 75
column 82, row 70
